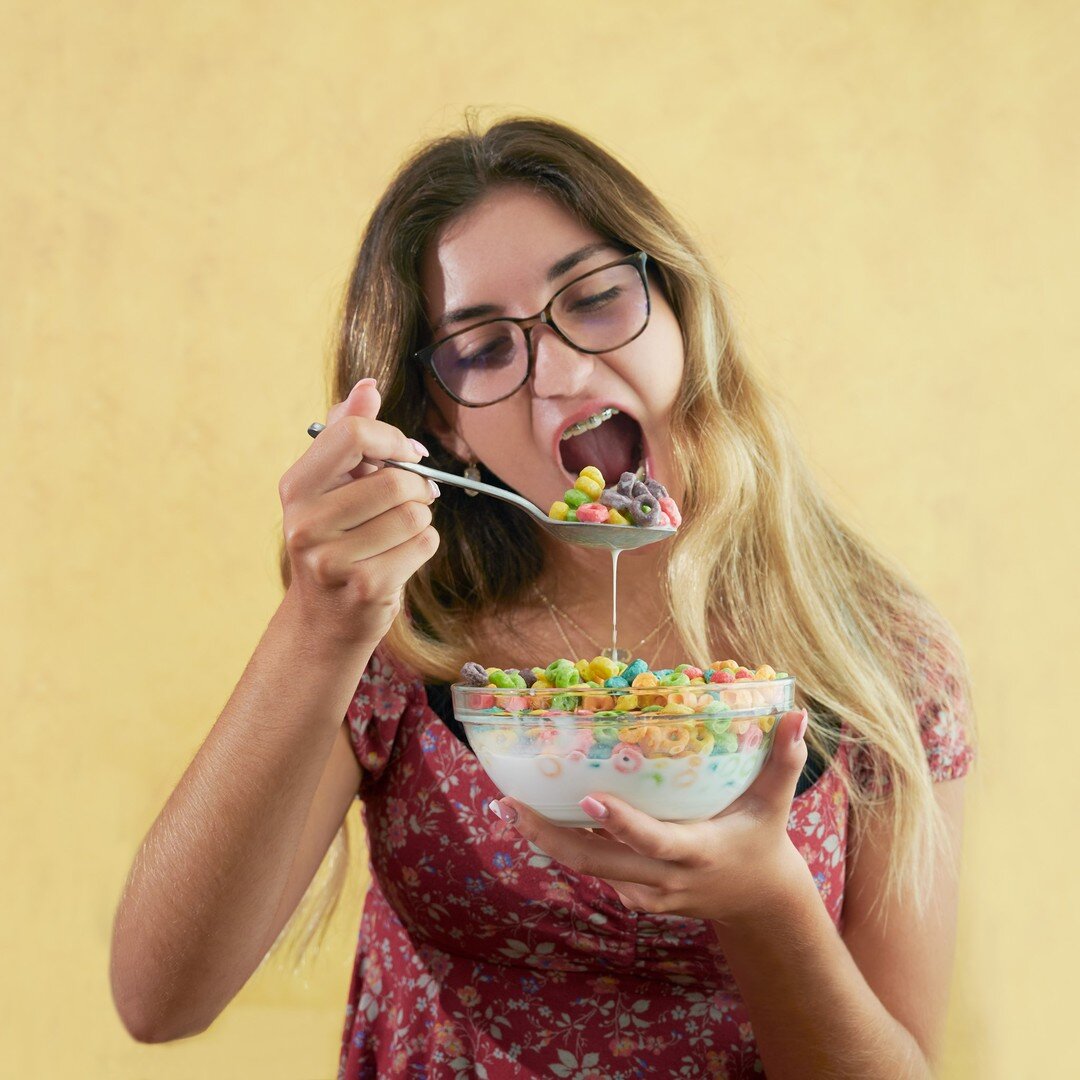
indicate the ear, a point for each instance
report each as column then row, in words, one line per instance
column 440, row 418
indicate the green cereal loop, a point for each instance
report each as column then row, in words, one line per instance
column 717, row 725
column 567, row 676
column 716, row 706
column 501, row 679
column 607, row 734
column 652, row 708
column 727, row 743
column 609, row 712
column 518, row 682
column 564, row 702
column 560, row 663
column 574, row 498
column 676, row 678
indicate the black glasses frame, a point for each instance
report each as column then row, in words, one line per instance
column 426, row 355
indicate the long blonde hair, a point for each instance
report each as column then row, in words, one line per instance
column 761, row 552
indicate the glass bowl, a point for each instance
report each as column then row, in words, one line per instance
column 679, row 753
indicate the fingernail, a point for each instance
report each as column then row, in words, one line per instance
column 495, row 808
column 435, row 490
column 507, row 813
column 365, row 382
column 419, row 447
column 802, row 727
column 593, row 807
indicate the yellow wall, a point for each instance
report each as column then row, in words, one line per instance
column 889, row 190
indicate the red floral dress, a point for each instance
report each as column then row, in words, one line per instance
column 479, row 956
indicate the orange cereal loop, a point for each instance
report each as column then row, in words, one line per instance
column 645, row 681
column 633, row 734
column 670, row 739
column 764, row 672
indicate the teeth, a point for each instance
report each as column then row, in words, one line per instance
column 588, row 423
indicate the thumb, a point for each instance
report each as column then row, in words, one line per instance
column 773, row 790
column 364, row 400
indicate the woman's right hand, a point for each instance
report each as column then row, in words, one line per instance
column 355, row 534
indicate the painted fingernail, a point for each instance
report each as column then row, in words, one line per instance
column 495, row 808
column 593, row 807
column 419, row 447
column 435, row 489
column 802, row 727
column 507, row 813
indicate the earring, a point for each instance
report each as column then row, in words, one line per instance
column 472, row 472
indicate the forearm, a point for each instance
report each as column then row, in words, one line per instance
column 812, row 1011
column 194, row 919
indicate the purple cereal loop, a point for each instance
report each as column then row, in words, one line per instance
column 626, row 482
column 657, row 488
column 472, row 674
column 642, row 516
column 639, row 489
column 528, row 675
column 615, row 501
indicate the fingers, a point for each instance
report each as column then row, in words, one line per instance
column 342, row 446
column 580, row 852
column 770, row 795
column 654, row 839
column 390, row 496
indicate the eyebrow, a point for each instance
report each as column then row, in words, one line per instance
column 555, row 272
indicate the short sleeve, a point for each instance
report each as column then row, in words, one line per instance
column 374, row 715
column 941, row 700
column 945, row 719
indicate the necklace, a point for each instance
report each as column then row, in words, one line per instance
column 622, row 655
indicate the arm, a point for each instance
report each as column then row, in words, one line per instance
column 228, row 857
column 867, row 1005
column 870, row 1004
column 206, row 892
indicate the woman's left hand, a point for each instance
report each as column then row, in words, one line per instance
column 726, row 869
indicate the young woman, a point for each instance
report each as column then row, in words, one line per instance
column 808, row 930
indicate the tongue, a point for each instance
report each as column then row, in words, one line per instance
column 614, row 448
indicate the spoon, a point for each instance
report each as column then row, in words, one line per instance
column 586, row 533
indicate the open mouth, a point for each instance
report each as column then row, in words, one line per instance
column 610, row 440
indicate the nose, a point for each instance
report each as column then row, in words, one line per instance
column 559, row 370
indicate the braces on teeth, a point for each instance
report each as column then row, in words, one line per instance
column 588, row 423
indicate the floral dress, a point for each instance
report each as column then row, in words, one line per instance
column 479, row 956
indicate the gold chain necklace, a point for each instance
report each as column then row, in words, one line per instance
column 621, row 654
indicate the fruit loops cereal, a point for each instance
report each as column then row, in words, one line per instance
column 630, row 502
column 679, row 743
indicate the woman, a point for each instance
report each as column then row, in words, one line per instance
column 809, row 929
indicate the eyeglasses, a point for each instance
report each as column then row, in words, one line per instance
column 602, row 310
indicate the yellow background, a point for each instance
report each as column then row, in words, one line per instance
column 888, row 188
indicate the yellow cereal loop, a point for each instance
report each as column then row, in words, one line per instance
column 541, row 683
column 725, row 665
column 558, row 511
column 587, row 486
column 673, row 708
column 767, row 723
column 633, row 734
column 615, row 518
column 701, row 740
column 603, row 668
column 593, row 473
column 626, row 703
column 583, row 669
column 764, row 672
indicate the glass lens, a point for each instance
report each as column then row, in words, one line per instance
column 603, row 310
column 483, row 364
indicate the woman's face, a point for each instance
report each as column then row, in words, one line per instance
column 499, row 253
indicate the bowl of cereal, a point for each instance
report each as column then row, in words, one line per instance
column 679, row 744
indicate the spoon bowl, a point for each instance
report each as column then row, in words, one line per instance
column 584, row 533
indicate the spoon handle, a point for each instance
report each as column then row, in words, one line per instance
column 454, row 481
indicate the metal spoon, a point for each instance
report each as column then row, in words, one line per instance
column 613, row 537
